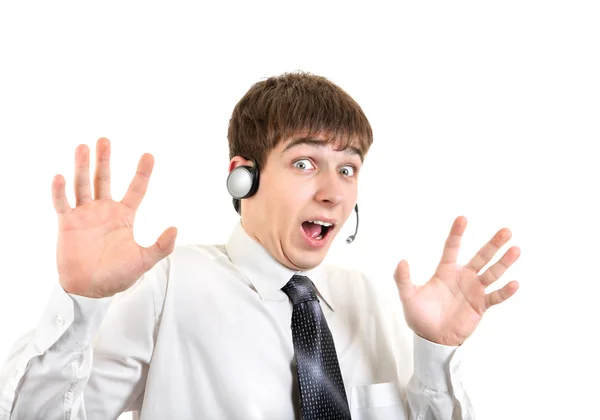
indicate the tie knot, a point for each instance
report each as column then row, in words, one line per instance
column 300, row 289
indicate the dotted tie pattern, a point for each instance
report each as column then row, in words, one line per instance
column 322, row 393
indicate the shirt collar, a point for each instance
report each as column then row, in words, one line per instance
column 264, row 272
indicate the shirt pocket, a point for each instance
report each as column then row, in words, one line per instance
column 381, row 401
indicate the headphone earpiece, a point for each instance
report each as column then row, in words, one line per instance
column 242, row 182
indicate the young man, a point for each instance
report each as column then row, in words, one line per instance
column 256, row 328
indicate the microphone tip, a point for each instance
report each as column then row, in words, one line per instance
column 350, row 239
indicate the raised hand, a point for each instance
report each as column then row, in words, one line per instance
column 448, row 308
column 97, row 255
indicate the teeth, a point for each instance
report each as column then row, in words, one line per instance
column 318, row 222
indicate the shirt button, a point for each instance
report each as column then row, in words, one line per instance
column 59, row 320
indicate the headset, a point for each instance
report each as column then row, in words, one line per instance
column 242, row 182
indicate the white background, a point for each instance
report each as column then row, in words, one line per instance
column 486, row 109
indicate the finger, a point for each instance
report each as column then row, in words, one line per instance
column 402, row 278
column 139, row 184
column 499, row 268
column 500, row 295
column 59, row 198
column 163, row 246
column 487, row 252
column 102, row 174
column 452, row 245
column 82, row 175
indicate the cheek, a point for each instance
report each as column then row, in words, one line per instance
column 350, row 202
column 275, row 202
column 290, row 192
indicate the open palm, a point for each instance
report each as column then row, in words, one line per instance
column 97, row 255
column 448, row 308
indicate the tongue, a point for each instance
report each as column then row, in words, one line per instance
column 312, row 230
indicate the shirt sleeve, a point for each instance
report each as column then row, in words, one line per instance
column 435, row 390
column 87, row 358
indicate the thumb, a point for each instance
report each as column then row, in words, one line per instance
column 402, row 278
column 163, row 246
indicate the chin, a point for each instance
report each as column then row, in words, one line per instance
column 306, row 263
column 306, row 260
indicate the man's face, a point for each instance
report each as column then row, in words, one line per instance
column 307, row 191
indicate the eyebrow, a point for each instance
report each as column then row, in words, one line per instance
column 319, row 143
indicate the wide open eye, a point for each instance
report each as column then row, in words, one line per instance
column 347, row 170
column 303, row 164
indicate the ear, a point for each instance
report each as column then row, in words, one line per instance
column 239, row 161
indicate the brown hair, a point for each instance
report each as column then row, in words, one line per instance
column 283, row 106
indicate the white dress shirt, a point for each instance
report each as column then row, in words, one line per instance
column 206, row 334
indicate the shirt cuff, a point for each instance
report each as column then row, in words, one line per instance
column 81, row 316
column 435, row 363
column 89, row 313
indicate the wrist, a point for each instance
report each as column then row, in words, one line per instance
column 73, row 289
column 450, row 340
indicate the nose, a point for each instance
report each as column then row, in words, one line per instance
column 330, row 190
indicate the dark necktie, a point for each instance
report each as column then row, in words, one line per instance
column 322, row 393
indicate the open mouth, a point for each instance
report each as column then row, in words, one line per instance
column 317, row 229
